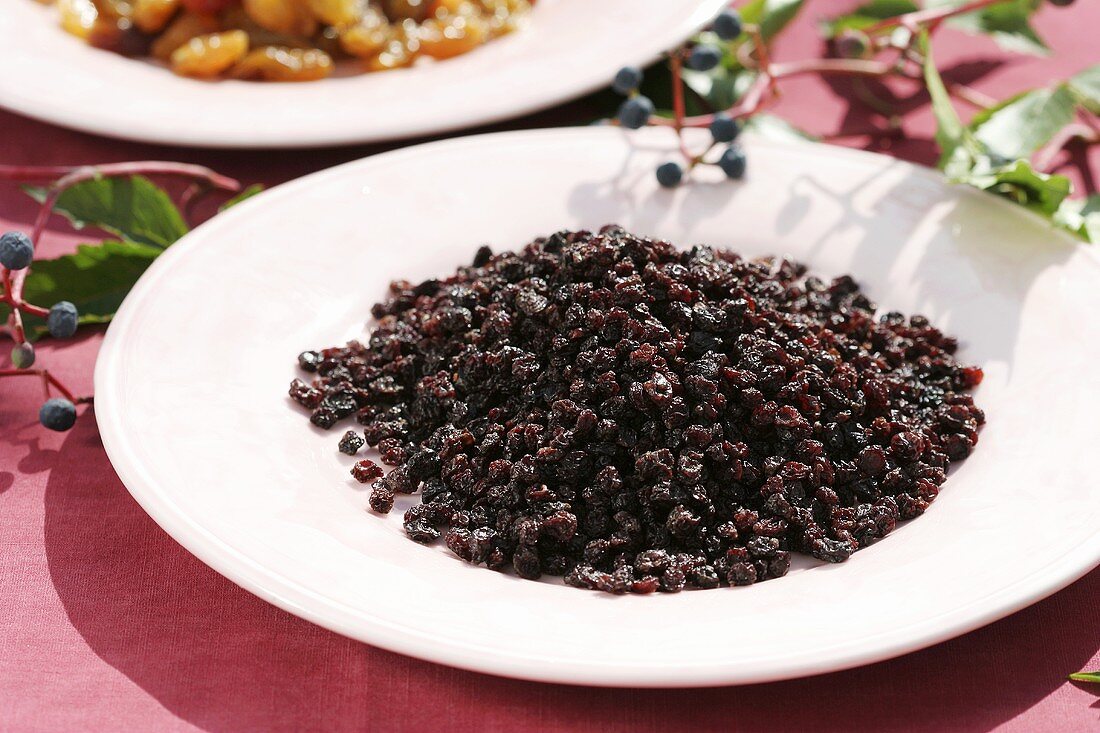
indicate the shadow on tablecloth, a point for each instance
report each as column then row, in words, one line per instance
column 223, row 660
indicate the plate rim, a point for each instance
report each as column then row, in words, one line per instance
column 284, row 593
column 101, row 123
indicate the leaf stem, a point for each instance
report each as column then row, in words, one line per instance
column 971, row 96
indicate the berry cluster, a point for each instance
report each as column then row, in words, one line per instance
column 16, row 255
column 639, row 418
column 637, row 110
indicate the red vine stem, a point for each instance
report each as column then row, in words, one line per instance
column 676, row 66
column 48, row 380
column 48, row 173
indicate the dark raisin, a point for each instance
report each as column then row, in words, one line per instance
column 351, row 443
column 366, row 471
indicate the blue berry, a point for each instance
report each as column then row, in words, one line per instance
column 728, row 25
column 704, row 58
column 57, row 414
column 16, row 250
column 669, row 174
column 635, row 112
column 627, row 79
column 724, row 129
column 61, row 322
column 22, row 356
column 733, row 162
column 852, row 44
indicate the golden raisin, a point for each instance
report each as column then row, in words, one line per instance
column 444, row 7
column 78, row 16
column 395, row 55
column 411, row 9
column 151, row 16
column 369, row 36
column 282, row 16
column 400, row 51
column 113, row 8
column 118, row 35
column 211, row 54
column 337, row 12
column 456, row 35
column 180, row 31
column 275, row 63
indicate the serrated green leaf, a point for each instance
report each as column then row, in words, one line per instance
column 95, row 278
column 771, row 15
column 1086, row 85
column 1019, row 182
column 1008, row 23
column 1082, row 217
column 1020, row 126
column 868, row 14
column 776, row 128
column 133, row 208
column 1086, row 676
column 248, row 193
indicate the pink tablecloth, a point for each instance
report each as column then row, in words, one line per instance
column 107, row 624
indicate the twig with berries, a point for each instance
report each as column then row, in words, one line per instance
column 17, row 254
column 875, row 50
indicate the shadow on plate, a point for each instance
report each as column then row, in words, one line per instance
column 911, row 242
column 223, row 660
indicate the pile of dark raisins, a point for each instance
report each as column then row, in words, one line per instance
column 637, row 418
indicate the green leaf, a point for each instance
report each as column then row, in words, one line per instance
column 95, row 278
column 771, row 15
column 1086, row 85
column 248, row 193
column 1019, row 126
column 1019, row 182
column 721, row 87
column 1086, row 676
column 134, row 208
column 949, row 131
column 868, row 14
column 1008, row 23
column 776, row 128
column 1082, row 217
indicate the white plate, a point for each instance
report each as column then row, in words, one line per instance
column 569, row 48
column 191, row 401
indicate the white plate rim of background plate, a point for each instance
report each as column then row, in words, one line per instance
column 57, row 78
column 253, row 576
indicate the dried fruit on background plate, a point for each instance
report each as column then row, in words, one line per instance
column 289, row 40
column 639, row 418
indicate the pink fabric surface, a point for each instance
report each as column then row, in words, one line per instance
column 107, row 624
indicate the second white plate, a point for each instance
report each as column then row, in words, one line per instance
column 191, row 402
column 569, row 48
